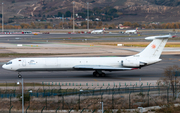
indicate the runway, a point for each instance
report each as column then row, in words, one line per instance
column 149, row 73
column 110, row 37
column 31, row 39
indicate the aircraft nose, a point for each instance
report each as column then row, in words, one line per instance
column 7, row 67
column 4, row 66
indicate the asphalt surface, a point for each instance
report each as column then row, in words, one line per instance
column 31, row 39
column 149, row 73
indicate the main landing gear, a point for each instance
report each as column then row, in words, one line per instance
column 19, row 75
column 98, row 73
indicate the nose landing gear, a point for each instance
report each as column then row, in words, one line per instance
column 19, row 75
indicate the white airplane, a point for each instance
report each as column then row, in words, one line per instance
column 131, row 31
column 150, row 55
column 97, row 31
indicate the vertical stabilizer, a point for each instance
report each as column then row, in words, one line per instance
column 155, row 48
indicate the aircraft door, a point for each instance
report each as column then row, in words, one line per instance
column 24, row 63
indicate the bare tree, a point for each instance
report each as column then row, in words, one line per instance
column 170, row 78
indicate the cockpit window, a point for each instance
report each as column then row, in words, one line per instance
column 8, row 63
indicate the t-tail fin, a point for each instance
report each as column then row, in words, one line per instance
column 155, row 48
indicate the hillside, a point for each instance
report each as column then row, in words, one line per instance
column 125, row 10
column 165, row 2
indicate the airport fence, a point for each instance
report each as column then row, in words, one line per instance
column 90, row 99
column 112, row 84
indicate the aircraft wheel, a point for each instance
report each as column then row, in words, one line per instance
column 19, row 76
column 94, row 73
column 97, row 74
column 103, row 74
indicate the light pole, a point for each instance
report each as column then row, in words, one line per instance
column 73, row 19
column 2, row 19
column 63, row 21
column 22, row 95
column 88, row 16
column 102, row 107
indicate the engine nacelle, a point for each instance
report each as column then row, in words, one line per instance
column 132, row 63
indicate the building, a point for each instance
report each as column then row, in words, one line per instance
column 120, row 26
column 124, row 27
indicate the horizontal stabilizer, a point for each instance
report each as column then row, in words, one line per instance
column 159, row 37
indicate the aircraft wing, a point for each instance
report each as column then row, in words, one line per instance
column 101, row 67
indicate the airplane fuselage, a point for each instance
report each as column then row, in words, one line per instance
column 97, row 31
column 74, row 63
column 131, row 32
column 61, row 64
